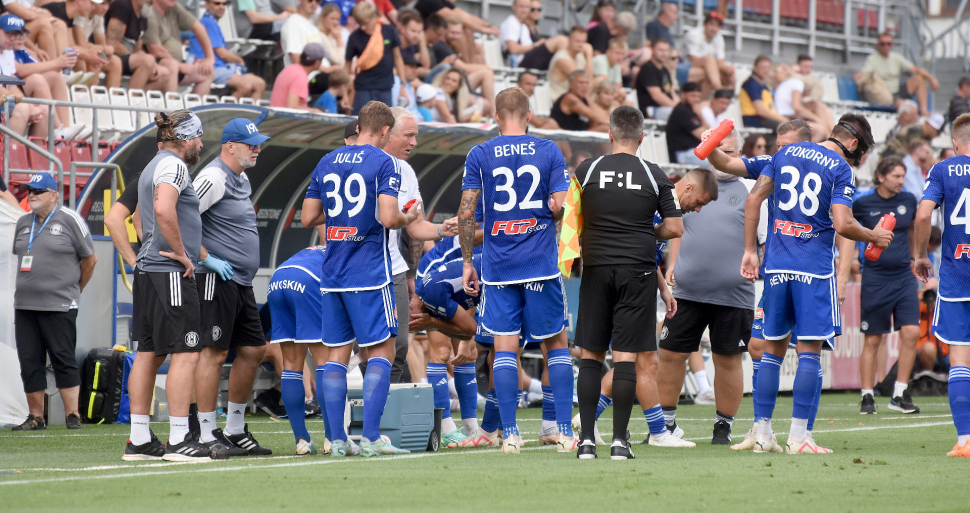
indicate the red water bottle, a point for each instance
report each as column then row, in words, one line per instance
column 889, row 223
column 712, row 141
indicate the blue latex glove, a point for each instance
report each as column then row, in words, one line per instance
column 218, row 266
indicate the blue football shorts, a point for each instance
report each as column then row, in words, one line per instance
column 803, row 305
column 951, row 322
column 367, row 317
column 294, row 307
column 536, row 310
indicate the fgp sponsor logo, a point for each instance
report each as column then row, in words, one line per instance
column 793, row 229
column 343, row 233
column 962, row 249
column 513, row 227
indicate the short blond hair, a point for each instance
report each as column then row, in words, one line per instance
column 960, row 130
column 363, row 12
column 512, row 102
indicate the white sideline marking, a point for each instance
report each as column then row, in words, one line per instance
column 331, row 461
column 318, row 461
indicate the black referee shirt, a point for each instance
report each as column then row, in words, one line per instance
column 621, row 194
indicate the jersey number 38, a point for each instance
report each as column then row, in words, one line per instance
column 807, row 200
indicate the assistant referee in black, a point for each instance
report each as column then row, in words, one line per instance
column 618, row 294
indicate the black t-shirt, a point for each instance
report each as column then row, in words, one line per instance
column 59, row 11
column 599, row 38
column 134, row 24
column 381, row 76
column 869, row 210
column 410, row 50
column 129, row 198
column 682, row 121
column 429, row 7
column 619, row 202
column 439, row 52
column 651, row 76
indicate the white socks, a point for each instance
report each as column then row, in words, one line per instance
column 961, row 439
column 140, row 432
column 207, row 422
column 235, row 419
column 764, row 427
column 549, row 426
column 469, row 426
column 799, row 429
column 703, row 385
column 866, row 391
column 899, row 388
column 535, row 387
column 448, row 425
column 178, row 428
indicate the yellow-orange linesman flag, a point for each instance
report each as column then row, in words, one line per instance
column 572, row 228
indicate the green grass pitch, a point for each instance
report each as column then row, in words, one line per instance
column 887, row 462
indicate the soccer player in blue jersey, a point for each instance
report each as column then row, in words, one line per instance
column 806, row 181
column 448, row 312
column 948, row 186
column 354, row 191
column 522, row 289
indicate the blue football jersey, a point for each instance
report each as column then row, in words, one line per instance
column 948, row 185
column 309, row 260
column 445, row 250
column 809, row 178
column 441, row 291
column 516, row 175
column 348, row 181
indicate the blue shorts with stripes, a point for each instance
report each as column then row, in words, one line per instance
column 804, row 305
column 367, row 317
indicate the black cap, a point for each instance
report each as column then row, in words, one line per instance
column 690, row 87
column 409, row 60
column 351, row 129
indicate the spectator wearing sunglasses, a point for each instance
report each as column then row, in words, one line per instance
column 903, row 78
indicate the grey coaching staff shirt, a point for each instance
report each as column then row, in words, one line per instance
column 53, row 282
column 168, row 168
column 229, row 221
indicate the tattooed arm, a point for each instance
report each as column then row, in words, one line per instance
column 466, row 236
column 752, row 215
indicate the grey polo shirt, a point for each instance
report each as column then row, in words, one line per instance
column 53, row 282
column 711, row 249
column 168, row 168
column 228, row 219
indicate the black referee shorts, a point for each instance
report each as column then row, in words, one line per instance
column 41, row 335
column 618, row 309
column 730, row 328
column 166, row 313
column 230, row 317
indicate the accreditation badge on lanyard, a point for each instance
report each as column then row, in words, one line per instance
column 28, row 261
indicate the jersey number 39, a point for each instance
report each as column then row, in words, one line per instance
column 338, row 199
column 508, row 188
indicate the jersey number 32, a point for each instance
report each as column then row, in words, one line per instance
column 509, row 189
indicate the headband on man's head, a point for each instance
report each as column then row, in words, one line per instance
column 863, row 142
column 189, row 127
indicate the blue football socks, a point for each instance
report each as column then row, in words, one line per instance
column 377, row 384
column 466, row 384
column 505, row 372
column 491, row 420
column 818, row 397
column 959, row 393
column 438, row 377
column 561, row 381
column 291, row 387
column 767, row 391
column 755, row 365
column 335, row 393
column 805, row 385
column 548, row 404
column 323, row 403
column 655, row 420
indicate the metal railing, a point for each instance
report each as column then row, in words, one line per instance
column 958, row 33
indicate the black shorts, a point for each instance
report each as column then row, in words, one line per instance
column 730, row 328
column 888, row 303
column 125, row 67
column 230, row 317
column 617, row 309
column 537, row 58
column 41, row 335
column 165, row 313
column 428, row 7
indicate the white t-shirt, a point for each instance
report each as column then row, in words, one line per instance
column 26, row 3
column 783, row 93
column 92, row 25
column 708, row 113
column 8, row 63
column 696, row 44
column 407, row 192
column 296, row 33
column 514, row 30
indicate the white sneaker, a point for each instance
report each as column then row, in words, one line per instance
column 567, row 443
column 511, row 444
column 806, row 445
column 88, row 78
column 749, row 439
column 666, row 439
column 73, row 78
column 678, row 432
column 766, row 443
column 305, row 447
column 705, row 398
column 578, row 428
column 327, row 446
column 68, row 132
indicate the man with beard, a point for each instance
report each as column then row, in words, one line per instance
column 228, row 261
column 166, row 304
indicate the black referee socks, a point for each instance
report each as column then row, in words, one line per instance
column 624, row 390
column 588, row 393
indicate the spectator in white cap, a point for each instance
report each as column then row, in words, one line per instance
column 426, row 95
column 908, row 128
column 56, row 256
